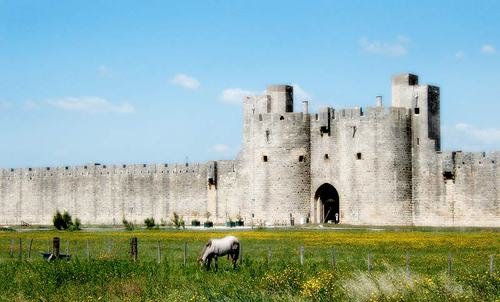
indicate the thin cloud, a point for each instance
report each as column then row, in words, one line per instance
column 104, row 71
column 397, row 48
column 220, row 148
column 91, row 104
column 4, row 105
column 488, row 49
column 300, row 94
column 235, row 95
column 185, row 81
column 31, row 105
column 487, row 135
column 459, row 55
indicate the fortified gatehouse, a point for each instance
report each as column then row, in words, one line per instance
column 361, row 166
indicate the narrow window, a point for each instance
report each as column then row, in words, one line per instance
column 418, row 141
column 144, row 165
column 301, row 158
column 29, row 169
column 358, row 155
column 85, row 167
column 124, row 166
column 417, row 110
column 264, row 158
column 104, row 166
column 12, row 170
column 354, row 129
column 66, row 167
column 48, row 168
column 326, row 156
column 267, row 135
column 260, row 117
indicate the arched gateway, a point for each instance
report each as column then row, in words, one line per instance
column 327, row 204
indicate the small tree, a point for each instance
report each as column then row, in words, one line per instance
column 150, row 223
column 177, row 220
column 129, row 226
column 63, row 221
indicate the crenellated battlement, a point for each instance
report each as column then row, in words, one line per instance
column 359, row 113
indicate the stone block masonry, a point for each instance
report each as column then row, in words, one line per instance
column 372, row 166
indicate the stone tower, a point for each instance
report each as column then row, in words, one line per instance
column 276, row 156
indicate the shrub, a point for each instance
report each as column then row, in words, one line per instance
column 129, row 226
column 177, row 220
column 150, row 223
column 64, row 222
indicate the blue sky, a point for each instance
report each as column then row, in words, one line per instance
column 159, row 81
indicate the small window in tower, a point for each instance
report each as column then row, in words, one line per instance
column 282, row 118
column 301, row 158
column 358, row 155
column 66, row 167
column 264, row 158
column 260, row 117
column 124, row 166
column 326, row 156
column 418, row 141
column 267, row 135
column 417, row 110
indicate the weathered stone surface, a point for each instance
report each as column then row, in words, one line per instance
column 384, row 164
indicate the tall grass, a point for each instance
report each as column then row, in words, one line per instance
column 270, row 270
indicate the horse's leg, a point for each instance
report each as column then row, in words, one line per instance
column 209, row 260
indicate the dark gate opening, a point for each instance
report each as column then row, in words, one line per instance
column 329, row 198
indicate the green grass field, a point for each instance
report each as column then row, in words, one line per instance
column 335, row 266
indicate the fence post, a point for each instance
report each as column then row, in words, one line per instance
column 407, row 265
column 88, row 249
column 133, row 248
column 29, row 249
column 56, row 246
column 492, row 264
column 369, row 262
column 11, row 250
column 20, row 249
column 158, row 252
column 449, row 264
column 241, row 255
column 334, row 260
column 185, row 253
column 301, row 255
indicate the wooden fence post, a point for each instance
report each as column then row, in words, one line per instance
column 158, row 250
column 407, row 265
column 369, row 263
column 133, row 248
column 29, row 249
column 88, row 249
column 185, row 253
column 492, row 264
column 449, row 264
column 56, row 246
column 241, row 255
column 301, row 255
column 20, row 249
column 11, row 249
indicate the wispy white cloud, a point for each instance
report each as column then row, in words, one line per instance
column 398, row 48
column 459, row 55
column 235, row 95
column 185, row 81
column 220, row 148
column 4, row 105
column 488, row 49
column 104, row 71
column 31, row 105
column 488, row 135
column 91, row 104
column 300, row 94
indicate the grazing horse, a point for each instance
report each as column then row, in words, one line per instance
column 215, row 248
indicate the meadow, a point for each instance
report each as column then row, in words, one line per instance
column 338, row 265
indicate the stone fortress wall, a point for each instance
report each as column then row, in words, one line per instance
column 373, row 166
